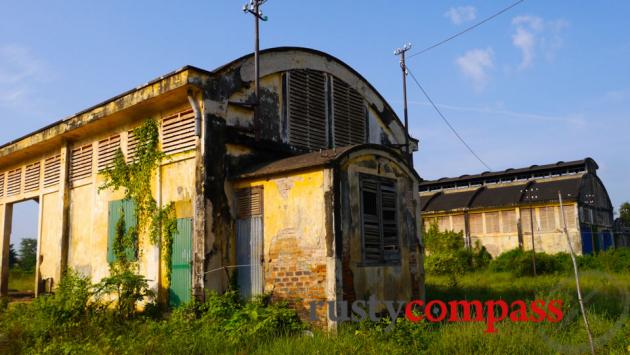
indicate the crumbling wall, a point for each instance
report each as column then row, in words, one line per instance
column 386, row 282
column 296, row 227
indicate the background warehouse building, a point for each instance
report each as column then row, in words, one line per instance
column 498, row 209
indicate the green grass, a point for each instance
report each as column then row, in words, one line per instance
column 21, row 281
column 24, row 330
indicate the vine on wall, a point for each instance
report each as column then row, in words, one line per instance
column 134, row 178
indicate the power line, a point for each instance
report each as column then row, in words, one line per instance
column 437, row 109
column 466, row 30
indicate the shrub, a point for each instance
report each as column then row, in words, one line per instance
column 519, row 263
column 126, row 290
column 70, row 303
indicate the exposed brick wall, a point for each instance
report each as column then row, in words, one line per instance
column 297, row 276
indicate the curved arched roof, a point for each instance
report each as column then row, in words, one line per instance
column 507, row 195
column 281, row 59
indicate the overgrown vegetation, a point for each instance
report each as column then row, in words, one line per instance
column 22, row 265
column 70, row 322
column 76, row 320
column 519, row 262
column 624, row 213
column 447, row 254
column 134, row 177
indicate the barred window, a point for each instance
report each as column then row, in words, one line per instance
column 508, row 221
column 381, row 244
column 476, row 223
column 547, row 219
column 492, row 222
column 526, row 221
column 458, row 223
column 444, row 223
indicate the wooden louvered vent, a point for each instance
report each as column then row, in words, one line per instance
column 31, row 179
column 14, row 182
column 52, row 170
column 249, row 202
column 178, row 133
column 307, row 109
column 379, row 222
column 2, row 180
column 81, row 163
column 132, row 146
column 107, row 150
column 348, row 115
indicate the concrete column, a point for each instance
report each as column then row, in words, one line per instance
column 199, row 215
column 64, row 200
column 6, row 217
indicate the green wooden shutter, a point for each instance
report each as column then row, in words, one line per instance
column 180, row 290
column 115, row 210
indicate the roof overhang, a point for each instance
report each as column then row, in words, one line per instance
column 133, row 104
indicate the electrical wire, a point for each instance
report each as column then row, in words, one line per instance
column 437, row 109
column 465, row 30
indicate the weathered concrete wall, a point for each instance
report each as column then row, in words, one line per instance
column 87, row 207
column 507, row 237
column 387, row 282
column 50, row 243
column 297, row 237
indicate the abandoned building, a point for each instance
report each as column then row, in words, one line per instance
column 311, row 199
column 622, row 233
column 500, row 209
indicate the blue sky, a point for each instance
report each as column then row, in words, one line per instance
column 544, row 82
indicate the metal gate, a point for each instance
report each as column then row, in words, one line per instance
column 249, row 242
column 180, row 290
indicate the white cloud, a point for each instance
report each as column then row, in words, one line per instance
column 20, row 73
column 575, row 120
column 475, row 64
column 461, row 14
column 533, row 33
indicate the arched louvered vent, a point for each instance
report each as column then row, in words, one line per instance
column 178, row 133
column 307, row 109
column 348, row 115
column 14, row 182
column 31, row 180
column 81, row 163
column 107, row 149
column 52, row 170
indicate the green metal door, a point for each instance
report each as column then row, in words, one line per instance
column 180, row 290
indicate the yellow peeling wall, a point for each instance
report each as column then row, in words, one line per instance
column 296, row 226
column 87, row 222
column 548, row 241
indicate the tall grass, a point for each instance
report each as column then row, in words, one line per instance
column 224, row 324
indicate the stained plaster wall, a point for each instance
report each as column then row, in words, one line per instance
column 297, row 232
column 395, row 282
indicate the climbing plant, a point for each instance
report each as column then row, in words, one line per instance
column 134, row 177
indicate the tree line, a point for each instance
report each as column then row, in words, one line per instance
column 26, row 258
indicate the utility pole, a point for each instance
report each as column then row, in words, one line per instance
column 253, row 7
column 401, row 53
column 577, row 277
column 531, row 225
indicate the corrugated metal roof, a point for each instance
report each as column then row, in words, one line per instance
column 503, row 195
column 498, row 196
column 535, row 171
column 312, row 160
